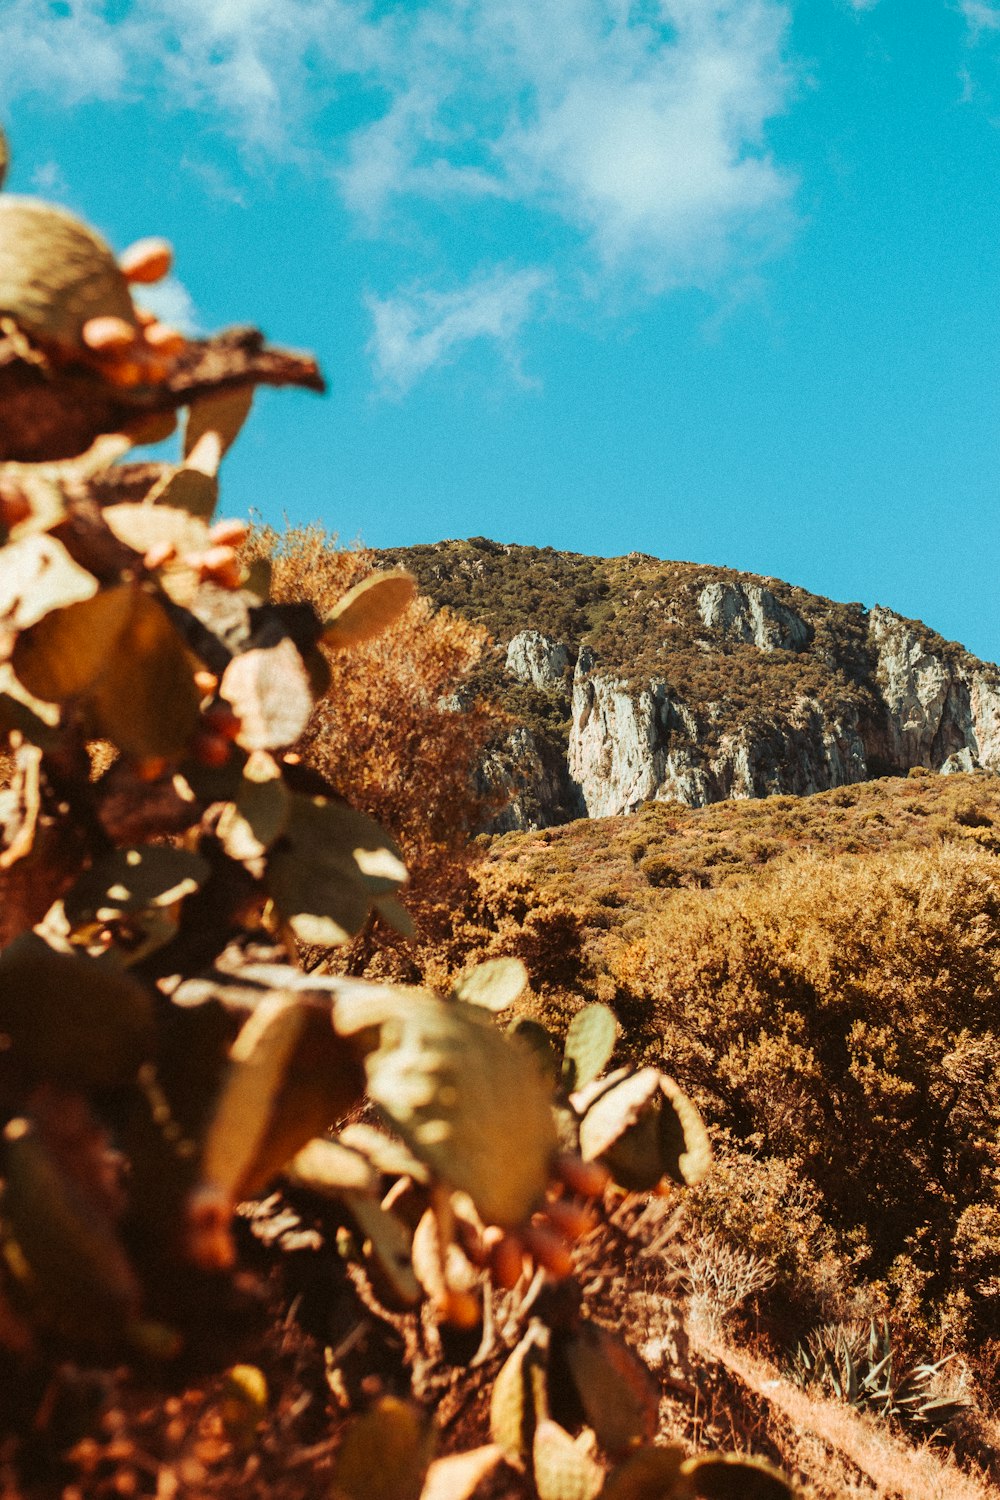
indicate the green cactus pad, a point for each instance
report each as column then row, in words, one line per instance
column 459, row 1476
column 331, row 866
column 729, row 1476
column 328, row 1168
column 258, row 815
column 468, row 1101
column 387, row 1244
column 386, row 1154
column 79, row 1271
column 647, row 1474
column 643, row 1128
column 223, row 413
column 269, row 690
column 185, row 489
column 519, row 1401
column 590, row 1042
column 368, row 609
column 563, row 1469
column 619, row 1396
column 290, row 1077
column 685, row 1148
column 538, row 1039
column 142, row 526
column 385, row 1454
column 38, row 575
column 56, row 273
column 494, row 985
column 77, row 1020
column 131, row 881
column 120, row 656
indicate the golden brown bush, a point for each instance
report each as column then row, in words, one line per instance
column 841, row 1016
column 390, row 730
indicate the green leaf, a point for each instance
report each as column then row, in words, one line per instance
column 290, row 1077
column 268, row 689
column 385, row 1454
column 38, row 575
column 469, row 1102
column 250, row 824
column 368, row 609
column 134, row 880
column 78, row 1020
column 331, row 867
column 590, row 1042
column 494, row 985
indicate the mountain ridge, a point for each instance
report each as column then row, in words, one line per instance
column 635, row 679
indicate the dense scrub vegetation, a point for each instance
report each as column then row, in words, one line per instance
column 825, row 974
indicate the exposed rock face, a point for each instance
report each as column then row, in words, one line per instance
column 633, row 743
column 697, row 684
column 629, row 746
column 750, row 612
column 533, row 791
column 538, row 659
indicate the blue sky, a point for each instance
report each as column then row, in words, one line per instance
column 711, row 279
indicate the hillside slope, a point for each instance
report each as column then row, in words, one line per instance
column 632, row 679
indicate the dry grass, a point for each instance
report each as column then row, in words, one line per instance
column 835, row 1450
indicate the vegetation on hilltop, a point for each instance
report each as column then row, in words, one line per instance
column 640, row 617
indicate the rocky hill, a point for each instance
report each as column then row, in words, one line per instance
column 632, row 679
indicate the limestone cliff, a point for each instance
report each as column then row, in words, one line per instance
column 631, row 679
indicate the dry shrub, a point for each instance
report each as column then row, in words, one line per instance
column 390, row 730
column 840, row 1017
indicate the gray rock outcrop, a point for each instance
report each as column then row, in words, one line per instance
column 538, row 659
column 750, row 612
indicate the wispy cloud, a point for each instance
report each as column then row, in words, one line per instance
column 980, row 16
column 417, row 330
column 172, row 303
column 624, row 139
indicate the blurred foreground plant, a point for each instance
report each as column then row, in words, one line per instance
column 165, row 860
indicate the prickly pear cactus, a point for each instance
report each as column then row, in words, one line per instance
column 56, row 274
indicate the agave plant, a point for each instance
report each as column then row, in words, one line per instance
column 860, row 1367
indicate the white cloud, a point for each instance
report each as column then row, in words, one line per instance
column 638, row 124
column 172, row 303
column 981, row 17
column 70, row 51
column 631, row 132
column 414, row 331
